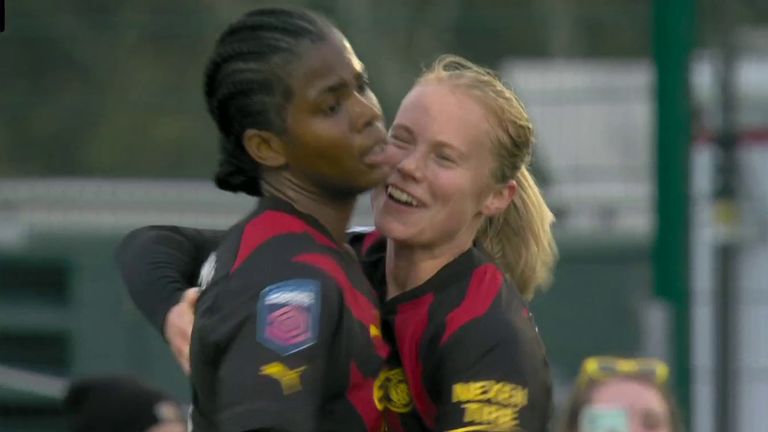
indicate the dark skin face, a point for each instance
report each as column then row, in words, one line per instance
column 335, row 127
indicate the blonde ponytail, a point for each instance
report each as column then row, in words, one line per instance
column 520, row 239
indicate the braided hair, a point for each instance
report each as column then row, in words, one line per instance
column 246, row 85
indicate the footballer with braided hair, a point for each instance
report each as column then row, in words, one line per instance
column 294, row 348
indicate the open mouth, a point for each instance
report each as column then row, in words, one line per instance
column 402, row 197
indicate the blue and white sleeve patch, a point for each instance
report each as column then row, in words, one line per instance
column 288, row 315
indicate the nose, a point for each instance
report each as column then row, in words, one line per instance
column 366, row 110
column 411, row 166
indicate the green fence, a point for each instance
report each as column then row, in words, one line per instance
column 63, row 312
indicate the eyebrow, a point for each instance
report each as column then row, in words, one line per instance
column 445, row 144
column 340, row 84
column 401, row 127
column 335, row 87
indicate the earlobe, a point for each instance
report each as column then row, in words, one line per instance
column 500, row 198
column 264, row 147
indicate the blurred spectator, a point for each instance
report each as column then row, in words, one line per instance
column 120, row 404
column 615, row 394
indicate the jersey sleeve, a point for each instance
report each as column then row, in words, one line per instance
column 157, row 263
column 272, row 370
column 484, row 382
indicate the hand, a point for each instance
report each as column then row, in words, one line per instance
column 178, row 326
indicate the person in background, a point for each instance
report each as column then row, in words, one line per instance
column 120, row 404
column 614, row 394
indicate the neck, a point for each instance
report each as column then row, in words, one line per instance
column 408, row 266
column 334, row 213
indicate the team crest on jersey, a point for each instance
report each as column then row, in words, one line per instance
column 391, row 391
column 288, row 315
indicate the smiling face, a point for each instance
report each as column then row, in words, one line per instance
column 334, row 122
column 645, row 406
column 441, row 186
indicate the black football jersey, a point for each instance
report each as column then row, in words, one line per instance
column 468, row 355
column 287, row 331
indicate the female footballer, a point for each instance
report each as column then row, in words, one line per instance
column 294, row 348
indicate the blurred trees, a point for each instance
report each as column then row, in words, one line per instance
column 104, row 88
column 113, row 88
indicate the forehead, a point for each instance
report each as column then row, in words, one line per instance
column 441, row 111
column 323, row 63
column 628, row 392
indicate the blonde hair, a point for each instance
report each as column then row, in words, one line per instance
column 520, row 238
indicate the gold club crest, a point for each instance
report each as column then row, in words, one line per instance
column 391, row 391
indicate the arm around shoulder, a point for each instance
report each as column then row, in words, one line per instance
column 158, row 263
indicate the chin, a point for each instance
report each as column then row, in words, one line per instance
column 386, row 227
column 393, row 229
column 350, row 188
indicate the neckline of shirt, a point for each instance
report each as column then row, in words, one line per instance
column 448, row 275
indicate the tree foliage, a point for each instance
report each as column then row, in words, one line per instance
column 94, row 88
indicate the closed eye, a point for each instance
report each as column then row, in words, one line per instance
column 363, row 85
column 445, row 158
column 399, row 141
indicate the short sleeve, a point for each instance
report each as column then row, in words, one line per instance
column 272, row 370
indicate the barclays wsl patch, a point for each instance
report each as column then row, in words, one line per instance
column 288, row 315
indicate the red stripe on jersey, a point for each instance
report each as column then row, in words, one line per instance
column 271, row 224
column 483, row 288
column 410, row 323
column 362, row 308
column 369, row 240
column 360, row 395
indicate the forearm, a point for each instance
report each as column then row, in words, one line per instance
column 158, row 263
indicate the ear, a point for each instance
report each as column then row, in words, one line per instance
column 264, row 147
column 500, row 199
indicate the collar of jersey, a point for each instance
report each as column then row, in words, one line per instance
column 450, row 274
column 281, row 205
